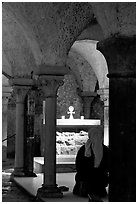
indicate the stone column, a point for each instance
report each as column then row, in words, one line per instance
column 21, row 87
column 29, row 134
column 104, row 95
column 50, row 86
column 87, row 98
column 5, row 97
column 21, row 92
column 120, row 54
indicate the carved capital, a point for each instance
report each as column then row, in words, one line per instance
column 88, row 100
column 104, row 95
column 50, row 85
column 87, row 97
column 21, row 92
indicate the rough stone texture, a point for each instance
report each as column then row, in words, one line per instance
column 67, row 96
column 87, row 49
column 82, row 71
column 16, row 46
column 92, row 32
column 116, row 18
column 43, row 33
column 97, row 109
column 68, row 143
column 54, row 25
column 36, row 33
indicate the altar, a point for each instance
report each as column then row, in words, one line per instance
column 71, row 134
column 83, row 124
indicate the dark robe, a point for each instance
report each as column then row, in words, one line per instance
column 88, row 178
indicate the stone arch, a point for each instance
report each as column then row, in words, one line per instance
column 6, row 66
column 51, row 19
column 121, row 22
column 71, row 63
column 83, row 72
column 61, row 31
column 117, row 20
column 87, row 48
column 21, row 53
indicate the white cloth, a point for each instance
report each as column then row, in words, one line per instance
column 95, row 144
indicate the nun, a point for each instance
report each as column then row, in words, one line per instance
column 92, row 166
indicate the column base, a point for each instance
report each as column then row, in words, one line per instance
column 19, row 172
column 49, row 192
column 30, row 174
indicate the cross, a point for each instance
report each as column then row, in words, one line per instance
column 71, row 109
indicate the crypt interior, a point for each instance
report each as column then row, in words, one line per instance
column 57, row 55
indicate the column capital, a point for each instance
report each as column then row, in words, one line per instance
column 104, row 95
column 87, row 96
column 50, row 84
column 21, row 86
column 21, row 92
column 88, row 99
column 103, row 91
column 120, row 53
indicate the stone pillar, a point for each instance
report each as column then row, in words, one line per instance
column 21, row 87
column 87, row 98
column 21, row 92
column 104, row 95
column 120, row 54
column 5, row 97
column 29, row 134
column 50, row 86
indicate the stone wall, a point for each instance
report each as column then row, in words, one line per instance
column 97, row 109
column 68, row 143
column 67, row 96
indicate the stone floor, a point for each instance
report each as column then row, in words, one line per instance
column 31, row 185
column 10, row 191
column 13, row 192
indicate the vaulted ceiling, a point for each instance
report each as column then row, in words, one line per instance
column 42, row 33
